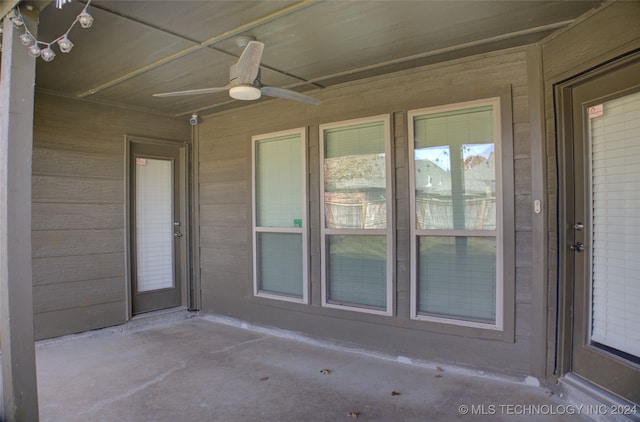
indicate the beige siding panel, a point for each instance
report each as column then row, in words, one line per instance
column 209, row 151
column 77, row 190
column 52, row 243
column 224, row 215
column 524, row 212
column 523, row 321
column 77, row 320
column 234, row 167
column 233, row 237
column 524, row 277
column 521, row 147
column 77, row 164
column 225, row 260
column 51, row 216
column 77, row 268
column 228, row 192
column 523, row 249
column 51, row 297
column 522, row 168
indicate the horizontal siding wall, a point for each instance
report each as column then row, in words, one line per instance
column 78, row 211
column 225, row 209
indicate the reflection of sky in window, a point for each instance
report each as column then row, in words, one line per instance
column 440, row 156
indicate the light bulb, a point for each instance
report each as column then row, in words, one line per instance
column 47, row 54
column 245, row 92
column 65, row 44
column 34, row 50
column 85, row 19
column 17, row 21
column 26, row 39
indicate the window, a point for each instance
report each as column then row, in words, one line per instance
column 356, row 215
column 615, row 203
column 456, row 208
column 279, row 216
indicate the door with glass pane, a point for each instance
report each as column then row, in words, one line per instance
column 157, row 226
column 603, row 229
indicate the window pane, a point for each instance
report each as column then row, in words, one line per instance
column 154, row 224
column 355, row 177
column 279, row 263
column 615, row 153
column 455, row 170
column 357, row 270
column 457, row 277
column 279, row 180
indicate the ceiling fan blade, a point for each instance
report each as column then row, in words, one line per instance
column 272, row 91
column 192, row 92
column 249, row 62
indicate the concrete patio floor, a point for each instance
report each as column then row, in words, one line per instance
column 211, row 369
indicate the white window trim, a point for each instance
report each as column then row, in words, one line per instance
column 498, row 233
column 301, row 230
column 388, row 232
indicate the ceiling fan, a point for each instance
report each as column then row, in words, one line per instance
column 244, row 79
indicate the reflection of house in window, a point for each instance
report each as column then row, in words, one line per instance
column 436, row 197
column 356, row 192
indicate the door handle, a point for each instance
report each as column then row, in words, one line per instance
column 578, row 247
column 177, row 234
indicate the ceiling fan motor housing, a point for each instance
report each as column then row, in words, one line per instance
column 233, row 76
column 245, row 92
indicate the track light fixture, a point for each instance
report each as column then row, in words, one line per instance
column 43, row 49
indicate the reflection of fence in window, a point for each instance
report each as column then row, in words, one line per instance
column 437, row 213
column 358, row 210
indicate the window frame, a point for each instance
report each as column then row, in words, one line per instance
column 303, row 230
column 388, row 232
column 502, row 192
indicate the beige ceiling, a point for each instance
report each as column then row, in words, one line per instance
column 136, row 48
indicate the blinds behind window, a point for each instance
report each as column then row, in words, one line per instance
column 615, row 138
column 154, row 225
column 279, row 181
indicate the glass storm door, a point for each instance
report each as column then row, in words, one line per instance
column 603, row 229
column 157, row 227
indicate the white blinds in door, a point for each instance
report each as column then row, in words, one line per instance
column 615, row 166
column 154, row 213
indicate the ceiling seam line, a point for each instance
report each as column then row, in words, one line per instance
column 443, row 50
column 225, row 35
column 105, row 103
column 556, row 25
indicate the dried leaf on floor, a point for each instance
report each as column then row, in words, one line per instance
column 550, row 393
column 439, row 369
column 264, row 378
column 353, row 415
column 325, row 371
column 395, row 393
column 438, row 375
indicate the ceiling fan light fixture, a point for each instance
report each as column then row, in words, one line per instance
column 245, row 92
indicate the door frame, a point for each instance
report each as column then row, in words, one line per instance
column 567, row 291
column 187, row 299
